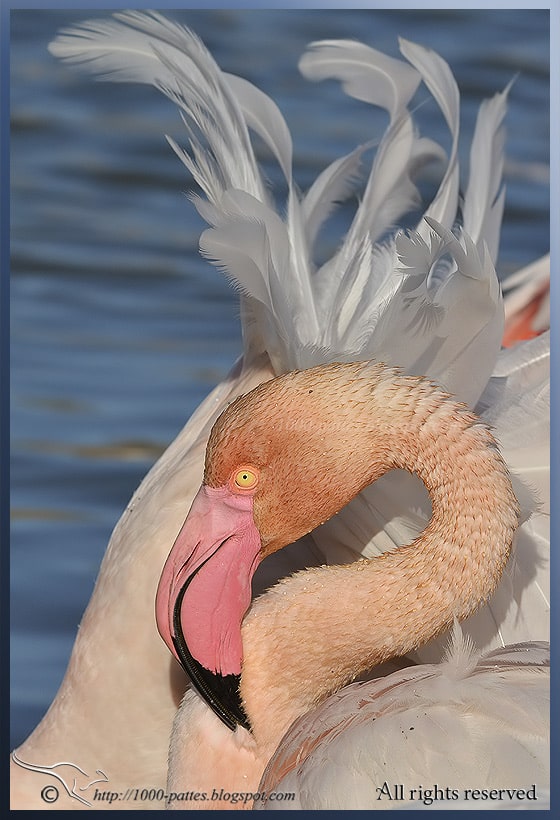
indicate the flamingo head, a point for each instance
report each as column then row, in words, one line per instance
column 279, row 461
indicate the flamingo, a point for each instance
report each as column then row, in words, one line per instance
column 384, row 295
column 280, row 461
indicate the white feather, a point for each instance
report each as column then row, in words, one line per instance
column 484, row 197
column 334, row 184
column 427, row 728
column 438, row 77
column 264, row 117
column 365, row 73
column 146, row 47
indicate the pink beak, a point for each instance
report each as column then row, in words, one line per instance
column 205, row 588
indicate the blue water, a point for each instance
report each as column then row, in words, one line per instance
column 119, row 328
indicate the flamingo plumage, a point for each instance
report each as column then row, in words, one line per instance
column 280, row 461
column 408, row 718
column 383, row 295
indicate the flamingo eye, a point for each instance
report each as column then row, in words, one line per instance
column 246, row 478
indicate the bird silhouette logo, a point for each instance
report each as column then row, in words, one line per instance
column 72, row 778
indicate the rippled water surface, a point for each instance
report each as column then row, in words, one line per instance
column 119, row 327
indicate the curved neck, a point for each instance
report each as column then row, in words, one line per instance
column 319, row 629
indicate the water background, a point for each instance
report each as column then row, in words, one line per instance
column 119, row 328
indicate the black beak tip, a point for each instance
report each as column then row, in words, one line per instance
column 221, row 692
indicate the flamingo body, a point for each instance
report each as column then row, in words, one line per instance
column 336, row 429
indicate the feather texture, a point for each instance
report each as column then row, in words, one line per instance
column 427, row 301
column 365, row 73
column 440, row 81
column 411, row 718
column 145, row 47
column 348, row 308
column 484, row 198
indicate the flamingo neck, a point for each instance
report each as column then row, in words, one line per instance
column 315, row 631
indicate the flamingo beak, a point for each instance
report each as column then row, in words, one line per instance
column 204, row 593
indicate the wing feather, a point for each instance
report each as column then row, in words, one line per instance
column 470, row 722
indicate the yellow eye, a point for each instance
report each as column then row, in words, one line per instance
column 246, row 478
